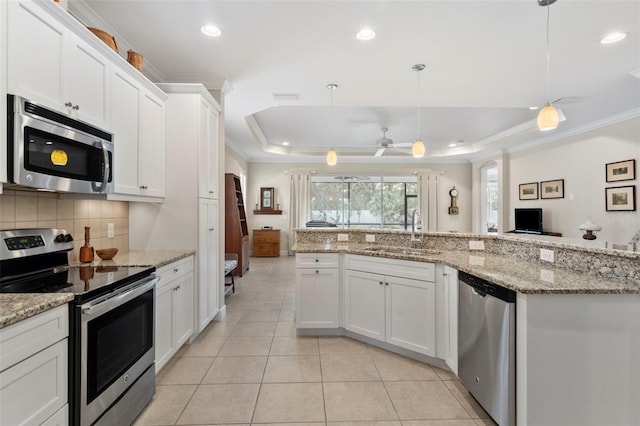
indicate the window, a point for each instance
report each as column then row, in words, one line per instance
column 364, row 201
column 489, row 199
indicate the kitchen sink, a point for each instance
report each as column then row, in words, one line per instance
column 403, row 250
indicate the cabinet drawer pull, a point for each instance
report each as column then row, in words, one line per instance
column 210, row 192
column 212, row 229
column 317, row 260
column 317, row 272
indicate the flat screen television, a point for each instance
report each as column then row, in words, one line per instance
column 529, row 221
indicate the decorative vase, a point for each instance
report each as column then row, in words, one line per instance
column 86, row 251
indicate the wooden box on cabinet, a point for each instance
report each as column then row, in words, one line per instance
column 266, row 242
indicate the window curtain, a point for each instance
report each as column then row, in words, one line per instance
column 300, row 187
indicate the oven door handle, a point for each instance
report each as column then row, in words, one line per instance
column 105, row 304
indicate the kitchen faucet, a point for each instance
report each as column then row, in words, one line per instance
column 415, row 224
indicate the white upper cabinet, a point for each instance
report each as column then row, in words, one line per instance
column 50, row 65
column 151, row 150
column 125, row 96
column 208, row 159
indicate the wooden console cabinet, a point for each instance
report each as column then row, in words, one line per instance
column 266, row 242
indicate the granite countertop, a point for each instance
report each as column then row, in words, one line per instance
column 515, row 274
column 16, row 307
column 155, row 258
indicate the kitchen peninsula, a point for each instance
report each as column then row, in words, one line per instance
column 577, row 328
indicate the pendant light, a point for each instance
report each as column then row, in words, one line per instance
column 332, row 156
column 418, row 150
column 548, row 117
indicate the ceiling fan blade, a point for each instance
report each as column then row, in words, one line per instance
column 379, row 152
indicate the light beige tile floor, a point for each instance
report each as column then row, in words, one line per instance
column 250, row 368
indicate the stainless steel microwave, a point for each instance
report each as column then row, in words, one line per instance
column 49, row 150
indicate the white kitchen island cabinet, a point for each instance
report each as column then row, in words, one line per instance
column 34, row 362
column 50, row 65
column 317, row 291
column 174, row 302
column 394, row 306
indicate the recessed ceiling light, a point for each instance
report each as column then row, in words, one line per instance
column 285, row 143
column 366, row 34
column 613, row 38
column 452, row 145
column 211, row 30
column 533, row 108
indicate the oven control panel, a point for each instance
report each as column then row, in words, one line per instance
column 23, row 243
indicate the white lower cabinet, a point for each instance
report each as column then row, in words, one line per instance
column 34, row 360
column 399, row 311
column 174, row 304
column 447, row 316
column 317, row 290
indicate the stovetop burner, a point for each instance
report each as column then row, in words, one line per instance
column 35, row 261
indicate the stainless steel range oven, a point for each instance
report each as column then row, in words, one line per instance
column 111, row 341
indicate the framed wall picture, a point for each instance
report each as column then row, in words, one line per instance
column 528, row 191
column 622, row 170
column 621, row 198
column 552, row 189
column 267, row 198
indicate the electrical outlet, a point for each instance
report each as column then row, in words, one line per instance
column 370, row 238
column 547, row 275
column 476, row 245
column 343, row 237
column 476, row 260
column 546, row 255
column 111, row 230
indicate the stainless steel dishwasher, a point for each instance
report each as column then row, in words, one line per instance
column 486, row 345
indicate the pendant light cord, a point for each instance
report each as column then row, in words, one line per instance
column 419, row 112
column 548, row 57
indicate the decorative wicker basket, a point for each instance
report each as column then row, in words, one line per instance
column 107, row 38
column 135, row 59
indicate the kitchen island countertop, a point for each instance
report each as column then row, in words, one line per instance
column 15, row 307
column 521, row 276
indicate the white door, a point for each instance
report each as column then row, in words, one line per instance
column 39, row 74
column 411, row 317
column 364, row 304
column 88, row 84
column 317, row 298
column 182, row 308
column 151, row 160
column 452, row 305
column 125, row 110
column 164, row 324
column 208, row 262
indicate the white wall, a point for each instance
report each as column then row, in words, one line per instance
column 580, row 161
column 234, row 164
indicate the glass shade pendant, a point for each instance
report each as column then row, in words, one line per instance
column 332, row 157
column 548, row 118
column 418, row 149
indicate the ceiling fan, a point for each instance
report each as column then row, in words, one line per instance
column 385, row 143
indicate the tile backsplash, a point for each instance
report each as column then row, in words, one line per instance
column 30, row 209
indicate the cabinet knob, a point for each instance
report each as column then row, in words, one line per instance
column 68, row 104
column 444, row 274
column 175, row 270
column 317, row 260
column 76, row 107
column 380, row 282
column 386, row 283
column 317, row 272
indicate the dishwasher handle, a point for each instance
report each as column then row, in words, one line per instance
column 483, row 287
